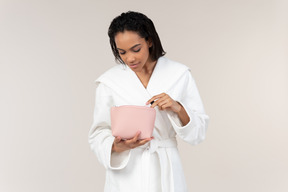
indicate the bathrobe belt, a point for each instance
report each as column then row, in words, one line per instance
column 158, row 146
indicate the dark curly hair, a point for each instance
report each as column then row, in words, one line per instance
column 140, row 23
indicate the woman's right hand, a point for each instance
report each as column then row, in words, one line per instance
column 120, row 145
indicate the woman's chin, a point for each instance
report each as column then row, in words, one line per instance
column 135, row 68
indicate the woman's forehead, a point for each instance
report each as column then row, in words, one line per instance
column 128, row 39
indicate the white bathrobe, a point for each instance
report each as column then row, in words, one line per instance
column 156, row 166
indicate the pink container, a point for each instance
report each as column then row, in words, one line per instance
column 126, row 120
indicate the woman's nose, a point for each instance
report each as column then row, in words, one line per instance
column 130, row 58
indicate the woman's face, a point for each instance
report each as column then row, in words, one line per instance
column 133, row 50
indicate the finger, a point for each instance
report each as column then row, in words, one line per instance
column 156, row 103
column 117, row 139
column 152, row 102
column 165, row 106
column 166, row 102
column 137, row 136
column 134, row 139
column 152, row 99
column 161, row 104
column 144, row 141
column 155, row 97
column 163, row 97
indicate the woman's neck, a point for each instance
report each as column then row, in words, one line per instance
column 148, row 69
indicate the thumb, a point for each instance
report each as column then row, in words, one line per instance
column 117, row 139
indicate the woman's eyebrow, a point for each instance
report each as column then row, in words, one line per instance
column 130, row 48
column 135, row 46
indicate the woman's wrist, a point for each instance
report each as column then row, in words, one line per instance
column 114, row 149
column 182, row 114
column 180, row 107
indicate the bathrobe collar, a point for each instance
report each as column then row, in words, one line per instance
column 125, row 82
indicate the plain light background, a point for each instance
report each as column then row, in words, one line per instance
column 52, row 51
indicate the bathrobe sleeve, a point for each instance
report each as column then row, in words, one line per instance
column 193, row 132
column 100, row 135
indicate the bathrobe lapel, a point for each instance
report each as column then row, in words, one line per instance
column 125, row 82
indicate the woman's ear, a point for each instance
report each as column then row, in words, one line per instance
column 150, row 43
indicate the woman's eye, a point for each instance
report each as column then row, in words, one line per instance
column 121, row 53
column 137, row 50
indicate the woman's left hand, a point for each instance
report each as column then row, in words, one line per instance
column 164, row 101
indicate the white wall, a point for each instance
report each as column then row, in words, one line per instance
column 51, row 52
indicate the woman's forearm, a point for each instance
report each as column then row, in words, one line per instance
column 183, row 116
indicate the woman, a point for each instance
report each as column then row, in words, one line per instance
column 151, row 164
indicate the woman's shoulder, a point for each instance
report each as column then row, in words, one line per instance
column 172, row 67
column 113, row 72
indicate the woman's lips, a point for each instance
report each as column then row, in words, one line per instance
column 134, row 65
